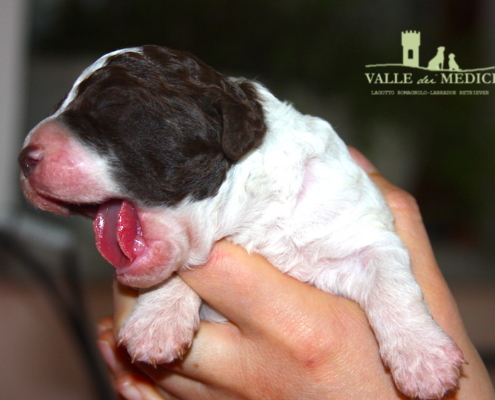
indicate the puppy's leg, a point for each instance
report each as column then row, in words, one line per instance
column 424, row 361
column 163, row 322
column 422, row 358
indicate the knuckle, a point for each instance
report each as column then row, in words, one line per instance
column 401, row 200
column 310, row 348
column 222, row 260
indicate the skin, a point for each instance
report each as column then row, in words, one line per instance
column 288, row 340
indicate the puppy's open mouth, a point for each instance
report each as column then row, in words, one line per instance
column 118, row 232
column 123, row 233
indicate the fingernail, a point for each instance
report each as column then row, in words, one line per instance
column 128, row 390
column 104, row 325
column 101, row 328
column 368, row 167
column 108, row 354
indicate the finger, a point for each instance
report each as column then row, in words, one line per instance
column 212, row 353
column 216, row 352
column 127, row 379
column 214, row 349
column 138, row 387
column 219, row 342
column 124, row 299
column 184, row 388
column 215, row 339
column 252, row 293
column 219, row 361
column 114, row 357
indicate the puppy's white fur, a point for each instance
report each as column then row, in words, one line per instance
column 301, row 202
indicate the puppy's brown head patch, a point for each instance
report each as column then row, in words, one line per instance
column 170, row 125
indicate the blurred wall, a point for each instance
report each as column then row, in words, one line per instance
column 13, row 34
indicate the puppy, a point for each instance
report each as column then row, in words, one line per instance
column 167, row 156
column 453, row 66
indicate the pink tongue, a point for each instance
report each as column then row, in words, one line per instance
column 118, row 232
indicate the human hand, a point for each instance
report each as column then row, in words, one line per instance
column 287, row 339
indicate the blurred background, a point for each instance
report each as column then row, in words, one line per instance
column 313, row 53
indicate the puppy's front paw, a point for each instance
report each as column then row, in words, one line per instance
column 162, row 324
column 427, row 369
column 160, row 339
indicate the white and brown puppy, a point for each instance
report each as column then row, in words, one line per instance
column 168, row 156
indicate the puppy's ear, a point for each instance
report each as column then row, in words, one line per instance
column 243, row 122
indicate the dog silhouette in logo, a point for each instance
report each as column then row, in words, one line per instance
column 453, row 66
column 437, row 61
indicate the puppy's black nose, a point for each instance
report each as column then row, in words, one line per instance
column 29, row 159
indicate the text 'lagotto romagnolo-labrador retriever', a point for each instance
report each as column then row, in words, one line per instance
column 167, row 156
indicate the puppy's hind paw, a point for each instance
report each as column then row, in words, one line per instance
column 430, row 372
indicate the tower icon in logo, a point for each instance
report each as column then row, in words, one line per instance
column 411, row 40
